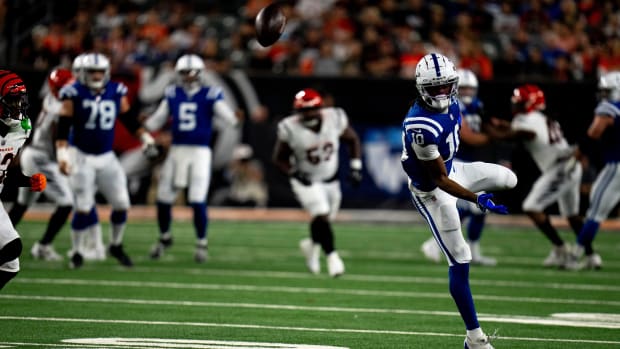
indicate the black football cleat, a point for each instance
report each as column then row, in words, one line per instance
column 117, row 252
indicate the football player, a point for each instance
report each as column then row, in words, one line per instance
column 558, row 163
column 473, row 112
column 38, row 156
column 605, row 192
column 193, row 107
column 14, row 131
column 89, row 110
column 307, row 151
column 431, row 136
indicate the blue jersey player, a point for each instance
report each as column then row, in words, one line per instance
column 86, row 121
column 605, row 192
column 431, row 136
column 192, row 107
column 472, row 111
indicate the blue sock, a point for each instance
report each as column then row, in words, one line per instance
column 200, row 219
column 92, row 215
column 164, row 216
column 82, row 221
column 588, row 232
column 459, row 289
column 474, row 227
column 118, row 217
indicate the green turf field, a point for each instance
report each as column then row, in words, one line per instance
column 255, row 289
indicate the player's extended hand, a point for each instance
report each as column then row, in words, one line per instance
column 485, row 203
column 355, row 178
column 301, row 177
column 149, row 147
column 38, row 182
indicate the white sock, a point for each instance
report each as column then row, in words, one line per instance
column 77, row 238
column 475, row 333
column 116, row 236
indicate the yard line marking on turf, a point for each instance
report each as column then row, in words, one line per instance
column 293, row 328
column 302, row 290
column 609, row 321
column 386, row 278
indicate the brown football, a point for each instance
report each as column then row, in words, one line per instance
column 269, row 23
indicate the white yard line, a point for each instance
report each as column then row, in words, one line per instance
column 304, row 290
column 293, row 328
column 611, row 321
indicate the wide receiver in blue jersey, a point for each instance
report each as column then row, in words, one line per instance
column 86, row 121
column 431, row 136
column 192, row 106
column 605, row 192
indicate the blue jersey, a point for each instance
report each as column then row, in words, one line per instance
column 424, row 127
column 611, row 137
column 473, row 116
column 192, row 115
column 94, row 115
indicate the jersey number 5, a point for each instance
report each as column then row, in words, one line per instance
column 187, row 116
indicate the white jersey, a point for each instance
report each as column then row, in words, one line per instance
column 42, row 138
column 315, row 153
column 10, row 144
column 549, row 145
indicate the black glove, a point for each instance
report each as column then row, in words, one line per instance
column 355, row 178
column 301, row 177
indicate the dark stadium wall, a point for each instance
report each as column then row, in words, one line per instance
column 376, row 108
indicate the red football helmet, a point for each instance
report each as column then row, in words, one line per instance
column 528, row 98
column 13, row 97
column 59, row 78
column 307, row 99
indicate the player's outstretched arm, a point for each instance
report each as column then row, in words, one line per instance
column 352, row 140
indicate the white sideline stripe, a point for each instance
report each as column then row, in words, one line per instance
column 610, row 321
column 387, row 278
column 64, row 345
column 303, row 290
column 292, row 328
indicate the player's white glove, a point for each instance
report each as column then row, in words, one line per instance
column 149, row 148
column 64, row 160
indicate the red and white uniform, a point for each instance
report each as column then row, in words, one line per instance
column 316, row 155
column 10, row 144
column 561, row 172
column 40, row 156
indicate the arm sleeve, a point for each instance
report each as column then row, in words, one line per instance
column 342, row 120
column 223, row 111
column 158, row 118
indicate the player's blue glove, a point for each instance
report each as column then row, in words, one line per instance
column 485, row 203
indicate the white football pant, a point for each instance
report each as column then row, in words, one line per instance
column 185, row 166
column 58, row 190
column 319, row 198
column 7, row 234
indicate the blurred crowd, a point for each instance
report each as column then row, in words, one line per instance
column 564, row 40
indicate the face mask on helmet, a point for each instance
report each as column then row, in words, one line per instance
column 14, row 98
column 436, row 81
column 189, row 69
column 308, row 103
column 468, row 85
column 95, row 72
column 609, row 87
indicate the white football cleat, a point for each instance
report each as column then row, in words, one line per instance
column 312, row 252
column 431, row 250
column 201, row 254
column 482, row 342
column 593, row 261
column 557, row 257
column 335, row 266
column 44, row 252
column 478, row 258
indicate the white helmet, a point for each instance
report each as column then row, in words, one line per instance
column 433, row 74
column 468, row 85
column 77, row 65
column 190, row 69
column 91, row 63
column 609, row 86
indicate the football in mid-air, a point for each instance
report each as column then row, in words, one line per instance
column 270, row 22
